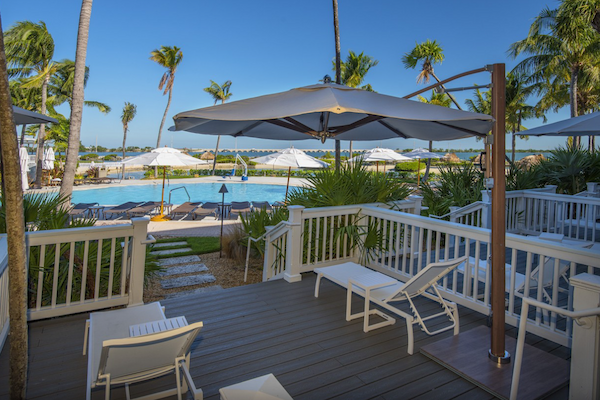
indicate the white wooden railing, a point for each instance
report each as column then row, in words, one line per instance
column 80, row 270
column 408, row 242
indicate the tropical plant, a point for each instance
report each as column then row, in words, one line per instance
column 352, row 185
column 254, row 224
column 169, row 58
column 61, row 87
column 569, row 168
column 561, row 48
column 219, row 93
column 29, row 51
column 520, row 177
column 129, row 111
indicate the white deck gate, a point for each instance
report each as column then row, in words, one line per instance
column 408, row 242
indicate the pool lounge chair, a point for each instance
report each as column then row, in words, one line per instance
column 261, row 205
column 185, row 209
column 144, row 209
column 238, row 208
column 80, row 209
column 137, row 344
column 121, row 209
column 385, row 292
column 206, row 209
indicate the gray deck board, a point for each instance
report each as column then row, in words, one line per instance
column 272, row 327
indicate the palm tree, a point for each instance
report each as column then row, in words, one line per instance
column 77, row 101
column 127, row 116
column 170, row 58
column 61, row 86
column 560, row 50
column 15, row 221
column 218, row 93
column 27, row 98
column 29, row 52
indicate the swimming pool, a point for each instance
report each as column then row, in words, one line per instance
column 198, row 192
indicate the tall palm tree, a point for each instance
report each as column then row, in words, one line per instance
column 560, row 50
column 338, row 72
column 29, row 52
column 77, row 101
column 15, row 228
column 61, row 86
column 127, row 116
column 27, row 98
column 169, row 57
column 222, row 94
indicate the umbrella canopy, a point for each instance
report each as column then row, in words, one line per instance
column 164, row 157
column 584, row 125
column 380, row 154
column 333, row 111
column 48, row 161
column 25, row 117
column 24, row 160
column 291, row 157
column 421, row 153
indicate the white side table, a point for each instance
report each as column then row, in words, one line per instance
column 365, row 283
column 265, row 387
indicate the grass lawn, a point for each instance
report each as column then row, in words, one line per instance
column 199, row 245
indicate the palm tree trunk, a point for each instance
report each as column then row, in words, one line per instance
column 449, row 95
column 124, row 140
column 428, row 165
column 39, row 170
column 162, row 123
column 66, row 187
column 216, row 153
column 592, row 144
column 338, row 74
column 573, row 98
column 15, row 227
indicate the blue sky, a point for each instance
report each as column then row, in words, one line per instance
column 268, row 46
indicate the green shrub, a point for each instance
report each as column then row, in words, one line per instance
column 411, row 166
column 90, row 156
column 569, row 169
column 110, row 157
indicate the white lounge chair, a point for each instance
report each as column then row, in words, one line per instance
column 386, row 291
column 115, row 358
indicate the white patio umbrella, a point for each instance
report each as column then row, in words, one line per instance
column 379, row 154
column 24, row 160
column 163, row 157
column 418, row 154
column 333, row 111
column 290, row 157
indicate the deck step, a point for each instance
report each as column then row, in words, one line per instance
column 173, row 251
column 184, row 281
column 159, row 245
column 179, row 260
column 183, row 269
column 193, row 292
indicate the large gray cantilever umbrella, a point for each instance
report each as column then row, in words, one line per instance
column 26, row 117
column 584, row 125
column 332, row 111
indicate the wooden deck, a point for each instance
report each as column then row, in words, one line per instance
column 273, row 327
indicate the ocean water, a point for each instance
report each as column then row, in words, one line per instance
column 238, row 191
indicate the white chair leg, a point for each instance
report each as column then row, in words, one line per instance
column 456, row 321
column 107, row 390
column 85, row 336
column 411, row 337
column 317, row 284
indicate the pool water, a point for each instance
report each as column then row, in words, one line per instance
column 198, row 192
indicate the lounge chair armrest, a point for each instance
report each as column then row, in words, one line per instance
column 149, row 240
column 197, row 393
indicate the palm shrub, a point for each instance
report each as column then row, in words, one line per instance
column 569, row 168
column 352, row 185
column 521, row 178
column 458, row 185
column 254, row 224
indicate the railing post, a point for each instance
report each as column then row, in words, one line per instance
column 550, row 188
column 586, row 339
column 418, row 201
column 268, row 259
column 294, row 245
column 453, row 217
column 138, row 260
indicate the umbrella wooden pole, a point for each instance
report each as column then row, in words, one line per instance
column 287, row 188
column 162, row 197
column 418, row 172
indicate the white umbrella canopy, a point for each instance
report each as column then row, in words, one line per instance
column 584, row 125
column 163, row 157
column 418, row 154
column 290, row 157
column 333, row 111
column 24, row 160
column 48, row 161
column 380, row 154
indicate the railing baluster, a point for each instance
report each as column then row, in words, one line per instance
column 70, row 273
column 84, row 271
column 56, row 270
column 40, row 282
column 124, row 264
column 98, row 270
column 111, row 271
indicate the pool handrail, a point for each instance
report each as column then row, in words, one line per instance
column 180, row 187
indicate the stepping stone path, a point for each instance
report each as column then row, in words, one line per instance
column 176, row 266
